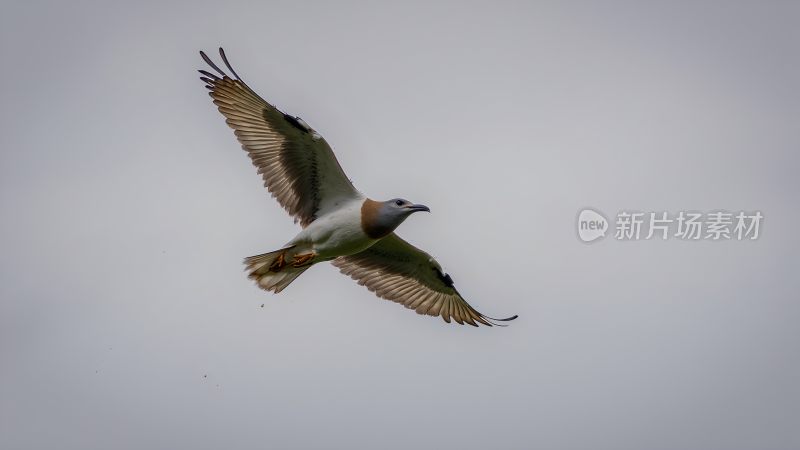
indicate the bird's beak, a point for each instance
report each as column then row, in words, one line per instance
column 416, row 208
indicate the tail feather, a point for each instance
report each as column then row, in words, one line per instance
column 277, row 281
column 263, row 261
column 267, row 276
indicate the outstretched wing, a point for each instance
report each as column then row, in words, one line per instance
column 396, row 270
column 297, row 165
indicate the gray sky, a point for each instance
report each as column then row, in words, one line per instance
column 127, row 207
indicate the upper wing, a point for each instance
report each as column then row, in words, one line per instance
column 297, row 165
column 396, row 270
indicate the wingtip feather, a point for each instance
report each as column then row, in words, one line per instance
column 225, row 60
column 211, row 63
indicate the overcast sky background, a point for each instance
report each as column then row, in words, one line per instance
column 126, row 320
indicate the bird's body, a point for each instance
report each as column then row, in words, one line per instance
column 340, row 224
column 337, row 233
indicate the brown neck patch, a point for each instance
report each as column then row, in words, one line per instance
column 370, row 220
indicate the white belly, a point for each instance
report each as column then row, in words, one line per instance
column 335, row 234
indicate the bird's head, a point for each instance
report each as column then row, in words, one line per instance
column 398, row 209
column 381, row 218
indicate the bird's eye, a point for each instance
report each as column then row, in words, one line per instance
column 399, row 203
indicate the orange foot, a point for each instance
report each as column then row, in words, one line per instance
column 278, row 264
column 302, row 260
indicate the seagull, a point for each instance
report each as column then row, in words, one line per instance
column 339, row 223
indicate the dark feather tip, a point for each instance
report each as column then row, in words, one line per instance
column 208, row 74
column 225, row 60
column 211, row 63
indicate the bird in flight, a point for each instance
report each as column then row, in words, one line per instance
column 340, row 224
